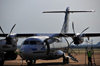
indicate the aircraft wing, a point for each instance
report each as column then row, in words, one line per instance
column 83, row 35
column 3, row 35
column 72, row 35
column 91, row 34
column 20, row 35
column 25, row 35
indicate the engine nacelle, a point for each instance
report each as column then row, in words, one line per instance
column 78, row 40
column 52, row 40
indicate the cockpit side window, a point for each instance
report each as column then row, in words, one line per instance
column 26, row 42
column 35, row 42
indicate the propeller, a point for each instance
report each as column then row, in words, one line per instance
column 69, row 53
column 49, row 41
column 48, row 46
column 8, row 37
column 80, row 34
column 76, row 37
column 11, row 30
column 69, row 44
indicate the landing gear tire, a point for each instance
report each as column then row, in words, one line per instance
column 31, row 62
column 34, row 61
column 1, row 58
column 65, row 60
column 1, row 62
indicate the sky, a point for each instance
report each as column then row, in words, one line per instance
column 28, row 16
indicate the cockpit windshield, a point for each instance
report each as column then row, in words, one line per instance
column 26, row 42
column 32, row 42
column 35, row 42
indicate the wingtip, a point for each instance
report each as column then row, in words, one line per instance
column 93, row 10
column 44, row 12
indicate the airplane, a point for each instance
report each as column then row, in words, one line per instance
column 38, row 46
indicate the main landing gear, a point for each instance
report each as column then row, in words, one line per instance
column 1, row 58
column 65, row 59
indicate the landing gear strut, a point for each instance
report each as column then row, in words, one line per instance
column 29, row 63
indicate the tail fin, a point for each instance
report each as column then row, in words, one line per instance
column 67, row 12
column 66, row 20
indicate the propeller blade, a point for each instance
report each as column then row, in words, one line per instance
column 72, row 57
column 73, row 28
column 68, row 45
column 48, row 46
column 2, row 30
column 12, row 28
column 84, row 30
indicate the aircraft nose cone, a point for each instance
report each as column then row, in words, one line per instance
column 26, row 52
column 25, row 49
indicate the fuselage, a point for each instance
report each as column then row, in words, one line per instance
column 35, row 48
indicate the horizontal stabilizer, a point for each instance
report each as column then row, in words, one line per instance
column 54, row 12
column 81, row 11
column 67, row 11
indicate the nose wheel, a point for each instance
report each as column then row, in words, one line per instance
column 30, row 62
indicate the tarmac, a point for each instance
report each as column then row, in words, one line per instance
column 58, row 62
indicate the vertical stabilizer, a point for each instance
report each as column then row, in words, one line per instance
column 66, row 20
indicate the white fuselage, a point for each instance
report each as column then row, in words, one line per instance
column 34, row 48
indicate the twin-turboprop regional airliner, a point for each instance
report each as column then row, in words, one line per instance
column 38, row 46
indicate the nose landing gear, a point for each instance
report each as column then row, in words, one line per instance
column 30, row 62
